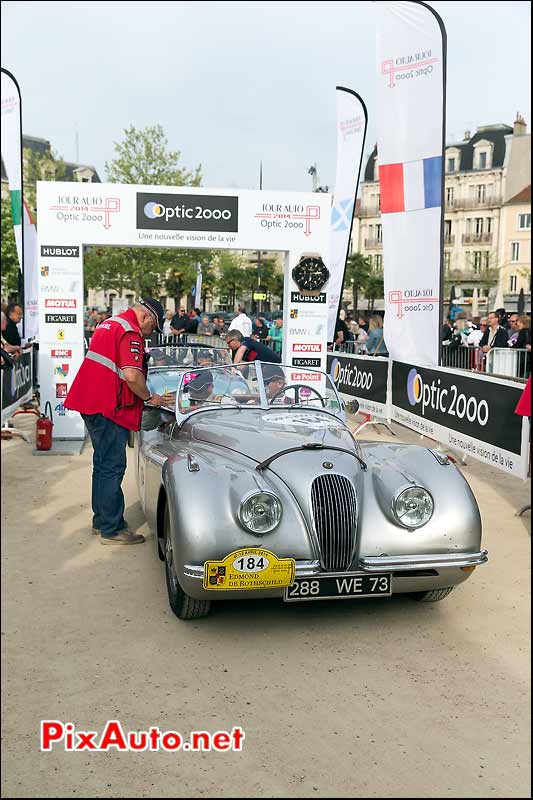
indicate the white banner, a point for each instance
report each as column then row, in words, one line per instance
column 12, row 151
column 31, row 277
column 352, row 120
column 198, row 287
column 12, row 158
column 411, row 49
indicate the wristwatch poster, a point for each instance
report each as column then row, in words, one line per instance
column 310, row 273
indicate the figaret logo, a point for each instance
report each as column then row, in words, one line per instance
column 407, row 67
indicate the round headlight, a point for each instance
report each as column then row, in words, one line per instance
column 413, row 507
column 260, row 512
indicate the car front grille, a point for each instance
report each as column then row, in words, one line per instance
column 334, row 509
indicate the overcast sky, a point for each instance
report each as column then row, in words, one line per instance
column 236, row 82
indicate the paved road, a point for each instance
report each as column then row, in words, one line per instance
column 385, row 698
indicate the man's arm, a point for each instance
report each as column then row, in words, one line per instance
column 239, row 355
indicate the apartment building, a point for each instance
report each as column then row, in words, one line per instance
column 478, row 170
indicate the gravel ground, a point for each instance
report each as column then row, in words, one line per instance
column 365, row 699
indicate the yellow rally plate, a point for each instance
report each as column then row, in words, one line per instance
column 249, row 568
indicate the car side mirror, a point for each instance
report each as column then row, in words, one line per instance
column 352, row 406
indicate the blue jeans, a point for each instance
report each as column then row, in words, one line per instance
column 109, row 465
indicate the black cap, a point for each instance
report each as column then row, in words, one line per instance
column 156, row 310
column 272, row 372
column 200, row 383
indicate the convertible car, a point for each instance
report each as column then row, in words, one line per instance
column 255, row 487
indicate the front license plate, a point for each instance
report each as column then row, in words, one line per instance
column 334, row 587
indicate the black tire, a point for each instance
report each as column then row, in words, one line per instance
column 432, row 596
column 183, row 605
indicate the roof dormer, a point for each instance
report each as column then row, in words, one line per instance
column 483, row 151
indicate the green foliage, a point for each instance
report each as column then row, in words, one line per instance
column 143, row 157
column 232, row 277
column 358, row 271
column 10, row 262
column 373, row 288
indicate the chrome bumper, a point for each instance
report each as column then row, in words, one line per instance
column 379, row 564
column 432, row 561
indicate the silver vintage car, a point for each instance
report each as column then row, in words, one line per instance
column 254, row 486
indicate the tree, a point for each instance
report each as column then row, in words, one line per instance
column 358, row 271
column 143, row 158
column 10, row 261
column 231, row 276
column 374, row 288
column 48, row 166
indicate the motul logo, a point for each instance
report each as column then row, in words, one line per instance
column 59, row 303
column 306, row 348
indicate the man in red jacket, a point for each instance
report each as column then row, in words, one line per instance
column 109, row 391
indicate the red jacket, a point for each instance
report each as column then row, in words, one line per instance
column 99, row 386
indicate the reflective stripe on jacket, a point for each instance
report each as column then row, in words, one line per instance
column 99, row 386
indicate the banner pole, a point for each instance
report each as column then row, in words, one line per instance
column 443, row 198
column 21, row 270
column 358, row 96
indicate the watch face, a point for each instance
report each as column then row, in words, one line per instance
column 310, row 274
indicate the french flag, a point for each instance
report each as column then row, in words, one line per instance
column 410, row 186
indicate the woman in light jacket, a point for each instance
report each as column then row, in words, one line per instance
column 375, row 344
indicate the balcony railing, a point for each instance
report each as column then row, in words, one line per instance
column 373, row 244
column 369, row 211
column 477, row 238
column 463, row 203
column 449, row 239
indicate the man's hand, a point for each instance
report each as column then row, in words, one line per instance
column 486, row 348
column 160, row 400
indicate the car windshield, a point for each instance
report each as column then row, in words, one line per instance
column 247, row 386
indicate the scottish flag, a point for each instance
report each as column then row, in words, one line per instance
column 411, row 186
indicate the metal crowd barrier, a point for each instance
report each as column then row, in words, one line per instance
column 352, row 348
column 462, row 357
column 507, row 361
column 511, row 361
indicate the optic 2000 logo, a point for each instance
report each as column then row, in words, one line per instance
column 350, row 376
column 447, row 401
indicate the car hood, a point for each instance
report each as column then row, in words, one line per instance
column 260, row 433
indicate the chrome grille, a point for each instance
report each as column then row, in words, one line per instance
column 334, row 508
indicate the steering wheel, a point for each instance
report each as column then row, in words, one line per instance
column 296, row 387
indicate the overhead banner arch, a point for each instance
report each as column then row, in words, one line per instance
column 73, row 215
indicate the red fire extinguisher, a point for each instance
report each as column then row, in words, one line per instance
column 44, row 430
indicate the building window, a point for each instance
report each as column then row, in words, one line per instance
column 514, row 280
column 476, row 262
column 524, row 222
column 480, row 193
column 479, row 225
column 486, row 259
column 515, row 251
column 488, row 225
column 379, row 234
column 378, row 263
column 447, row 259
column 451, row 165
column 449, row 196
column 482, row 163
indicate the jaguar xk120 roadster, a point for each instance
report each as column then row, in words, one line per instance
column 254, row 486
